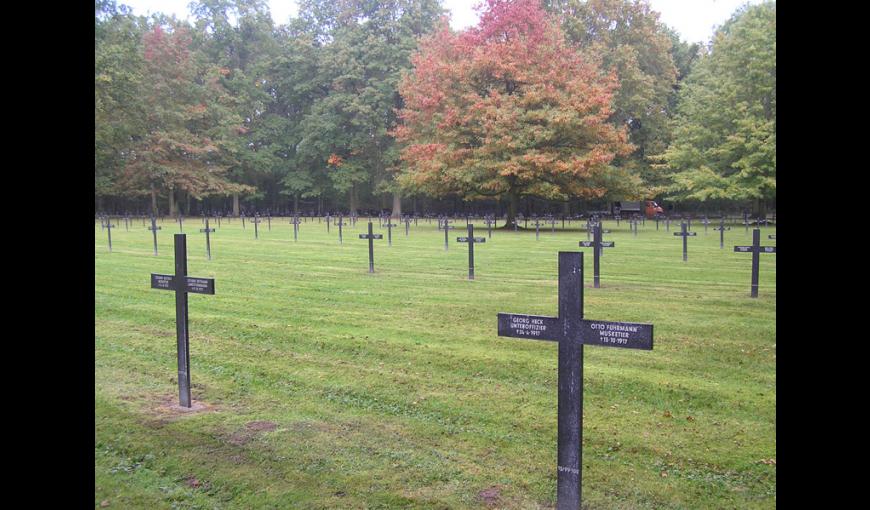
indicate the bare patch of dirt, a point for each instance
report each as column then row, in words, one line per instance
column 245, row 435
column 491, row 496
column 258, row 426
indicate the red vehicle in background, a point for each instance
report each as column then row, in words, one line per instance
column 649, row 208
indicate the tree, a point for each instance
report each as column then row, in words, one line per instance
column 724, row 143
column 629, row 39
column 508, row 108
column 187, row 122
column 118, row 106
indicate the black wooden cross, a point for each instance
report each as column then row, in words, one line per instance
column 617, row 219
column 685, row 234
column 445, row 224
column 295, row 223
column 598, row 246
column 471, row 240
column 722, row 228
column 340, row 224
column 371, row 237
column 537, row 229
column 182, row 285
column 127, row 221
column 756, row 249
column 207, row 238
column 154, row 228
column 256, row 222
column 407, row 225
column 572, row 332
column 109, row 227
column 390, row 226
column 489, row 223
column 552, row 222
column 269, row 220
column 328, row 219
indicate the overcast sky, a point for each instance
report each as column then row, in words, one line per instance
column 694, row 20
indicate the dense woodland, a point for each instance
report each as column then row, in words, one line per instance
column 546, row 106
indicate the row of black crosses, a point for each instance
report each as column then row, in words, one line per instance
column 568, row 328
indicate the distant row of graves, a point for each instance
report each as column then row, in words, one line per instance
column 568, row 328
column 594, row 233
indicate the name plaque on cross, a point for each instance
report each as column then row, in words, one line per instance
column 572, row 332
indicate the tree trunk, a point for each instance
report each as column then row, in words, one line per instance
column 172, row 208
column 514, row 202
column 353, row 203
column 397, row 205
column 154, row 211
column 236, row 205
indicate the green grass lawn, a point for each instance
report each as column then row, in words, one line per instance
column 323, row 386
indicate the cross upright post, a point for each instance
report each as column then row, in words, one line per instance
column 243, row 220
column 722, row 228
column 207, row 238
column 390, row 226
column 154, row 228
column 447, row 227
column 328, row 219
column 572, row 332
column 109, row 227
column 756, row 249
column 295, row 223
column 256, row 222
column 537, row 229
column 471, row 240
column 598, row 245
column 685, row 235
column 182, row 285
column 340, row 224
column 371, row 237
column 180, row 223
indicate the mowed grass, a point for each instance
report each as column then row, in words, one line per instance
column 323, row 386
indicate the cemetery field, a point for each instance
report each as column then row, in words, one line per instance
column 318, row 385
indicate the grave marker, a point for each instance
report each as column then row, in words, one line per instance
column 572, row 332
column 207, row 238
column 756, row 249
column 722, row 228
column 771, row 236
column 390, row 226
column 340, row 223
column 685, row 234
column 295, row 223
column 256, row 222
column 182, row 285
column 471, row 240
column 489, row 223
column 598, row 246
column 109, row 227
column 154, row 228
column 371, row 237
column 445, row 224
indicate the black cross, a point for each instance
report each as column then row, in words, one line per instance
column 446, row 226
column 755, row 249
column 127, row 221
column 632, row 225
column 340, row 224
column 154, row 228
column 269, row 221
column 572, row 332
column 328, row 219
column 617, row 220
column 371, row 237
column 407, row 225
column 722, row 228
column 256, row 222
column 471, row 240
column 243, row 220
column 685, row 234
column 489, row 223
column 109, row 227
column 537, row 228
column 207, row 238
column 180, row 222
column 552, row 222
column 598, row 246
column 182, row 285
column 295, row 223
column 390, row 232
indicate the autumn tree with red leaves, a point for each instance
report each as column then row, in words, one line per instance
column 188, row 121
column 508, row 109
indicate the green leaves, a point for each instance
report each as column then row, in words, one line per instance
column 724, row 143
